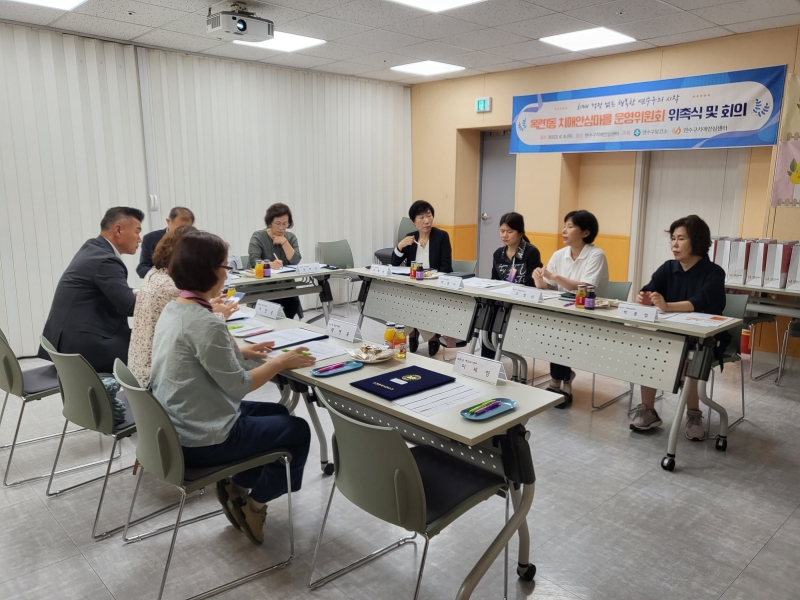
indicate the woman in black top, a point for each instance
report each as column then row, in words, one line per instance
column 431, row 247
column 516, row 259
column 690, row 283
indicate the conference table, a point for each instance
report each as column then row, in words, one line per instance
column 601, row 341
column 286, row 285
column 498, row 445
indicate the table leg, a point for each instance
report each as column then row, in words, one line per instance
column 524, row 534
column 326, row 466
column 493, row 551
column 722, row 438
column 668, row 462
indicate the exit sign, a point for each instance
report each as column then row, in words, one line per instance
column 483, row 105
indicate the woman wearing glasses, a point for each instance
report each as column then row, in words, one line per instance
column 278, row 247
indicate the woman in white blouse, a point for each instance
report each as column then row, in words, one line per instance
column 578, row 262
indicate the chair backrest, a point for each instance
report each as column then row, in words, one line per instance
column 619, row 290
column 159, row 448
column 10, row 371
column 406, row 228
column 86, row 401
column 376, row 471
column 336, row 253
column 464, row 266
column 736, row 307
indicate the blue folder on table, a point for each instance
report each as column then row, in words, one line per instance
column 402, row 382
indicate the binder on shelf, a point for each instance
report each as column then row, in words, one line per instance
column 757, row 262
column 724, row 253
column 778, row 258
column 739, row 260
column 793, row 277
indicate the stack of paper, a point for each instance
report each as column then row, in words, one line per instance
column 693, row 318
column 241, row 314
column 248, row 327
column 287, row 337
column 401, row 270
column 477, row 282
column 432, row 402
column 319, row 350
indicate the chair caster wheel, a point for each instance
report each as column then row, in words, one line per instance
column 667, row 463
column 327, row 468
column 526, row 572
column 721, row 444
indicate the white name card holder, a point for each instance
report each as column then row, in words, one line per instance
column 450, row 282
column 269, row 310
column 342, row 330
column 308, row 268
column 477, row 367
column 637, row 312
column 529, row 294
column 382, row 270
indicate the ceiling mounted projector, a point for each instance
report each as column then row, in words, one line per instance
column 238, row 24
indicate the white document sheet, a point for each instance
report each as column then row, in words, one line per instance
column 401, row 270
column 241, row 314
column 247, row 327
column 286, row 338
column 700, row 319
column 319, row 350
column 477, row 282
column 432, row 402
column 546, row 294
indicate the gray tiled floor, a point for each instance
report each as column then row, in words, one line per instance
column 607, row 522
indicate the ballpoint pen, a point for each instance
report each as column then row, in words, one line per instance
column 331, row 368
column 486, row 409
column 232, row 327
column 475, row 409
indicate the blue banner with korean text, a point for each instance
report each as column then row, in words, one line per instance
column 722, row 110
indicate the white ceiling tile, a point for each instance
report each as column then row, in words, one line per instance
column 764, row 24
column 623, row 11
column 193, row 24
column 310, row 6
column 89, row 25
column 385, row 75
column 26, row 13
column 550, row 25
column 322, row 28
column 508, row 66
column 231, row 50
column 372, row 13
column 380, row 40
column 383, row 60
column 432, row 50
column 343, row 67
column 498, row 12
column 300, row 61
column 484, row 38
column 661, row 26
column 557, row 58
column 460, row 74
column 748, row 10
column 178, row 41
column 184, row 5
column 527, row 50
column 334, row 51
column 477, row 60
column 633, row 47
column 433, row 27
column 130, row 11
column 567, row 5
column 690, row 36
column 695, row 4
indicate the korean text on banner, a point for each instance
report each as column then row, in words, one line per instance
column 720, row 110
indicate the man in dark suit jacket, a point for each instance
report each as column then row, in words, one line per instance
column 93, row 301
column 177, row 216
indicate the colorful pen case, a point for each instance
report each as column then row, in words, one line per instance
column 505, row 405
column 350, row 365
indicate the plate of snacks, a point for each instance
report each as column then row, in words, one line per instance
column 371, row 353
column 431, row 274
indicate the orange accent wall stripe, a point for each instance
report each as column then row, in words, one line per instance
column 616, row 247
column 464, row 240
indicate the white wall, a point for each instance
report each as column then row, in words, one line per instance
column 70, row 147
column 232, row 138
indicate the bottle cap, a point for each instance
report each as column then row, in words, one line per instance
column 399, row 326
column 389, row 324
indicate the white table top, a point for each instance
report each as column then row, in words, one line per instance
column 530, row 400
column 288, row 276
column 763, row 290
column 557, row 305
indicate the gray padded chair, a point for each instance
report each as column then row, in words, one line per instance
column 464, row 266
column 420, row 489
column 86, row 403
column 159, row 452
column 792, row 331
column 28, row 386
column 735, row 306
column 340, row 255
column 405, row 229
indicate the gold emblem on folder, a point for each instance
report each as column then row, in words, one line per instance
column 412, row 377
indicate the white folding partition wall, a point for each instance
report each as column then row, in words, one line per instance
column 70, row 147
column 232, row 138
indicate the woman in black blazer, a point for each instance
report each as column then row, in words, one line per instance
column 430, row 246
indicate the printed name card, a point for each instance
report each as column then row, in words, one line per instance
column 637, row 312
column 382, row 270
column 477, row 367
column 269, row 310
column 342, row 330
column 450, row 282
column 530, row 294
column 308, row 268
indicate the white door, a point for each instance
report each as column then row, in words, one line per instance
column 707, row 183
column 498, row 179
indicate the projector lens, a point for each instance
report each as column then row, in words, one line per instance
column 241, row 25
